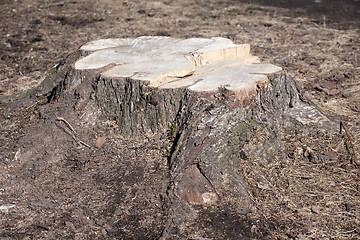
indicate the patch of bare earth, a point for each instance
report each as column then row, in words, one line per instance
column 76, row 192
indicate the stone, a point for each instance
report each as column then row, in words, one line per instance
column 315, row 209
column 348, row 206
column 100, row 141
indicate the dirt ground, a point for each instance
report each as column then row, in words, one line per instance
column 77, row 193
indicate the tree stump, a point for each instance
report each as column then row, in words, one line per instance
column 217, row 103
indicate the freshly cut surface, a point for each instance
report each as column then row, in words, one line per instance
column 199, row 64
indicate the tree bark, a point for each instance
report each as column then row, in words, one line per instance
column 208, row 129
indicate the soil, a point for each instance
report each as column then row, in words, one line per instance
column 116, row 190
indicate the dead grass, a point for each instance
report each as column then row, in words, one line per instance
column 307, row 199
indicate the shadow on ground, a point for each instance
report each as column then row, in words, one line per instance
column 337, row 14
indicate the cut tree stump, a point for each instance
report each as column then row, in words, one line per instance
column 216, row 102
column 161, row 71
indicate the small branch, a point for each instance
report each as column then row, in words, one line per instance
column 67, row 123
column 85, row 144
column 74, row 135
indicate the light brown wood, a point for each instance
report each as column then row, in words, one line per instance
column 198, row 64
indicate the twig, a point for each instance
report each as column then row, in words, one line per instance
column 67, row 123
column 341, row 127
column 74, row 135
column 16, row 155
column 85, row 144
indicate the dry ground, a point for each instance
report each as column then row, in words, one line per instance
column 298, row 197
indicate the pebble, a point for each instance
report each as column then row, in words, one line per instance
column 346, row 95
column 32, row 117
column 315, row 209
column 348, row 206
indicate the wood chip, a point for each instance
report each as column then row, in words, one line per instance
column 100, row 142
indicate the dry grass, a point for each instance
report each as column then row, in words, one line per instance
column 307, row 199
